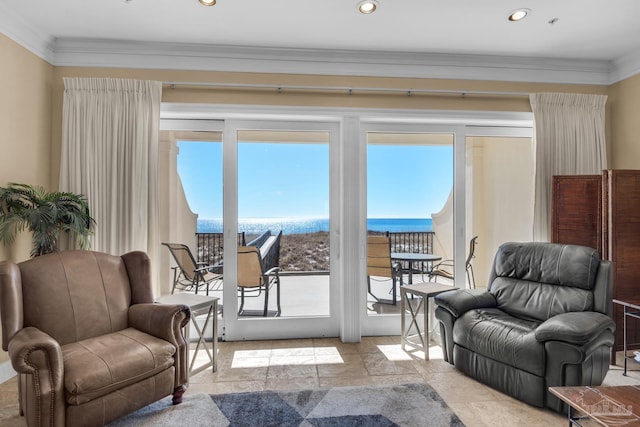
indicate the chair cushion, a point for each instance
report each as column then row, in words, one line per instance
column 97, row 366
column 501, row 337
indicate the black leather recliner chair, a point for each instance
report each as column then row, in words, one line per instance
column 543, row 321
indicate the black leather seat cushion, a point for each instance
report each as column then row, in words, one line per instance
column 499, row 336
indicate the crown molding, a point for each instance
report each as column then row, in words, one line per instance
column 626, row 66
column 202, row 57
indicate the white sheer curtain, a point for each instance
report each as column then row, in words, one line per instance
column 110, row 155
column 569, row 140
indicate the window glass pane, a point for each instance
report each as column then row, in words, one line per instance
column 283, row 199
column 409, row 200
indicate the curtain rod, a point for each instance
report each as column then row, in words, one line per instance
column 349, row 90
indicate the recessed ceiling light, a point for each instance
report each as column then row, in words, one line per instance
column 367, row 6
column 207, row 2
column 518, row 15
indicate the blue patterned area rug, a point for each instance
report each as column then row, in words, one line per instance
column 368, row 406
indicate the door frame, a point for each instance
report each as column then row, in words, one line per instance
column 389, row 324
column 348, row 239
column 280, row 327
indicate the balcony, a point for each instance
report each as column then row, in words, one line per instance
column 304, row 269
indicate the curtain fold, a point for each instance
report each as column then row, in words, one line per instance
column 569, row 140
column 110, row 154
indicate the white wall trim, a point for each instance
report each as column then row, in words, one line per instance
column 6, row 371
column 626, row 66
column 201, row 57
column 511, row 119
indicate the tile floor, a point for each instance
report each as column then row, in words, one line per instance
column 327, row 362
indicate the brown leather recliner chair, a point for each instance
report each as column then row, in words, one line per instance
column 86, row 339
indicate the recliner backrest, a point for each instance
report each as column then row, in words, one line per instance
column 537, row 280
column 74, row 295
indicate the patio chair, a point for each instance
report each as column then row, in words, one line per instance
column 269, row 245
column 445, row 268
column 190, row 275
column 252, row 278
column 380, row 265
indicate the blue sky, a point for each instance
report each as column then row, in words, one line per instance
column 292, row 180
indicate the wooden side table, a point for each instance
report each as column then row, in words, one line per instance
column 199, row 305
column 419, row 340
column 608, row 406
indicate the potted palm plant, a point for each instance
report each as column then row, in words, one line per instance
column 47, row 215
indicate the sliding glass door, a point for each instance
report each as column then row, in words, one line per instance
column 409, row 202
column 284, row 215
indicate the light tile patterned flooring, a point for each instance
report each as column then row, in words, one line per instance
column 327, row 362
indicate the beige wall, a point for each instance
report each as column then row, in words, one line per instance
column 25, row 129
column 25, row 126
column 499, row 209
column 624, row 106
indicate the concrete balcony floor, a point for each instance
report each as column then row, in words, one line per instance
column 308, row 295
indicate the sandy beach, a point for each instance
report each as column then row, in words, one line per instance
column 305, row 252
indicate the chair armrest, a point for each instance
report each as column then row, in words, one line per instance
column 458, row 302
column 31, row 350
column 39, row 356
column 160, row 320
column 445, row 263
column 577, row 328
column 166, row 321
column 273, row 270
column 205, row 269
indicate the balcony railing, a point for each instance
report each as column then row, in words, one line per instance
column 210, row 248
column 416, row 242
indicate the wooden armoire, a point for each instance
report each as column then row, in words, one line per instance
column 603, row 212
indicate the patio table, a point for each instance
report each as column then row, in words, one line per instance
column 412, row 257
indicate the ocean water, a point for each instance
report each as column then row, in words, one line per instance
column 312, row 225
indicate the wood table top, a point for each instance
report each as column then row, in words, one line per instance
column 609, row 406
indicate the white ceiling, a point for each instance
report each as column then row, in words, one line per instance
column 593, row 34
